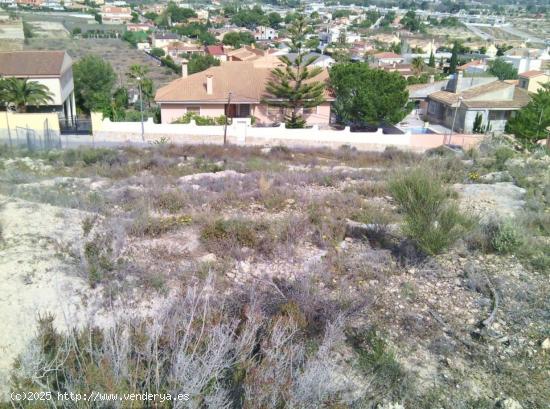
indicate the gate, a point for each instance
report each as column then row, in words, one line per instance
column 75, row 126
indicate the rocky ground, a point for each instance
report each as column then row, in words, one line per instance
column 88, row 237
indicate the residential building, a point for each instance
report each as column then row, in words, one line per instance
column 162, row 40
column 532, row 81
column 177, row 48
column 115, row 15
column 263, row 33
column 216, row 51
column 235, row 88
column 405, row 70
column 464, row 98
column 246, row 53
column 526, row 59
column 140, row 27
column 418, row 93
column 387, row 58
column 32, row 3
column 475, row 67
column 50, row 68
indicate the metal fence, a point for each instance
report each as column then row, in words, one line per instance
column 31, row 139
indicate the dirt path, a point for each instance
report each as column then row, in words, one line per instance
column 34, row 278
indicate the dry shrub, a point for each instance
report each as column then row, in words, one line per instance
column 198, row 346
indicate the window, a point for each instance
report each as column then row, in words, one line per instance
column 195, row 110
column 244, row 110
column 523, row 83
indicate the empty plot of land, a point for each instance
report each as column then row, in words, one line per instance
column 11, row 30
column 119, row 53
column 49, row 29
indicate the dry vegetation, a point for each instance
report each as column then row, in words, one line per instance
column 296, row 278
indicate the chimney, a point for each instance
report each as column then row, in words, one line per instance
column 209, row 84
column 458, row 81
column 184, row 71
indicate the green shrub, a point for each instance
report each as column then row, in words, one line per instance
column 147, row 225
column 226, row 237
column 502, row 154
column 201, row 120
column 430, row 219
column 505, row 238
column 98, row 258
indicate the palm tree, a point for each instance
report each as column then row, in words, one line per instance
column 138, row 75
column 418, row 65
column 21, row 93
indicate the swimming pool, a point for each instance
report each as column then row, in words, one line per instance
column 420, row 131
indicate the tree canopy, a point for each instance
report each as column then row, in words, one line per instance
column 531, row 123
column 21, row 93
column 198, row 63
column 238, row 39
column 503, row 70
column 411, row 22
column 179, row 14
column 368, row 96
column 293, row 87
column 94, row 80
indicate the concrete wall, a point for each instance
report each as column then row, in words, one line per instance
column 37, row 122
column 241, row 132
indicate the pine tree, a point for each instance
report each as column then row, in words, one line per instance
column 292, row 87
column 478, row 124
column 431, row 62
column 454, row 59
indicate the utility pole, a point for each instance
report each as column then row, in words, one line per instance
column 454, row 120
column 141, row 108
column 226, row 114
column 8, row 124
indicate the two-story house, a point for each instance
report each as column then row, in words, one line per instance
column 50, row 68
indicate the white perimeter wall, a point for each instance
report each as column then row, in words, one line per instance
column 240, row 132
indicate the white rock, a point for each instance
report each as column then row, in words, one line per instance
column 546, row 344
column 208, row 258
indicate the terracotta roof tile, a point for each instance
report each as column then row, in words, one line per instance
column 215, row 49
column 387, row 55
column 32, row 63
column 244, row 80
column 531, row 74
column 520, row 98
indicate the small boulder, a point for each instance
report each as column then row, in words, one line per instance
column 508, row 404
column 208, row 258
column 496, row 177
column 545, row 344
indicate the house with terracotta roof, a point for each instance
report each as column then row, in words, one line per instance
column 115, row 15
column 162, row 40
column 246, row 53
column 177, row 48
column 474, row 66
column 50, row 68
column 464, row 98
column 234, row 88
column 532, row 80
column 387, row 58
column 216, row 51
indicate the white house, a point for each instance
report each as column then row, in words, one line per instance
column 50, row 68
column 263, row 33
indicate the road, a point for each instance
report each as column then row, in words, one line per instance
column 523, row 35
column 479, row 33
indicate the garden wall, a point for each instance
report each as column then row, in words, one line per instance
column 242, row 133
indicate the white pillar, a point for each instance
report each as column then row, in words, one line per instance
column 73, row 108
